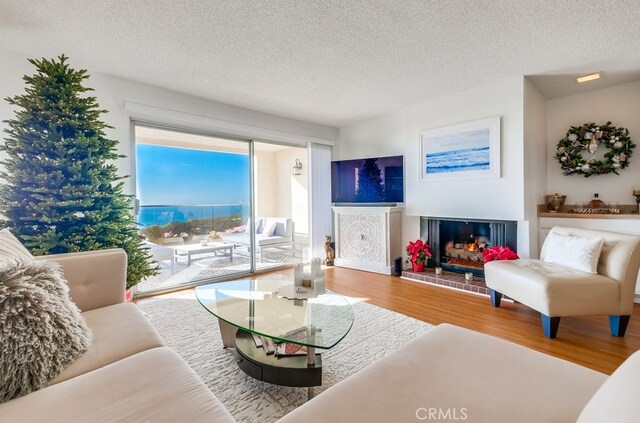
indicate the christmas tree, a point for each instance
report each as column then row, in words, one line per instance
column 61, row 192
column 370, row 188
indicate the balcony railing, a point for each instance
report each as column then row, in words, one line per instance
column 192, row 219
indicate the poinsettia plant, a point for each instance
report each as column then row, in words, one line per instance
column 418, row 251
column 498, row 253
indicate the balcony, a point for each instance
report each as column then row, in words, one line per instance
column 187, row 243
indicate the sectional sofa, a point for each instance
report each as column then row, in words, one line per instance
column 127, row 374
column 447, row 374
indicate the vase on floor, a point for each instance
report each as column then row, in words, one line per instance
column 130, row 293
column 418, row 266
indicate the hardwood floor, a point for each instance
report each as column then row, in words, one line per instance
column 582, row 340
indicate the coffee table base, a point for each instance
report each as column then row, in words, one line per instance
column 296, row 371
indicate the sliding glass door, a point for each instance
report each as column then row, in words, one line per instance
column 196, row 198
column 194, row 204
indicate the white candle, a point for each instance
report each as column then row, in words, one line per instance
column 636, row 190
column 316, row 264
column 438, row 270
column 297, row 274
column 318, row 285
column 306, row 279
column 468, row 276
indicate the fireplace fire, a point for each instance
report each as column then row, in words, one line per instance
column 466, row 254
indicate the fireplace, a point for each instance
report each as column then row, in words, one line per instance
column 457, row 244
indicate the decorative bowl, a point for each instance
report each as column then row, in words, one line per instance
column 554, row 202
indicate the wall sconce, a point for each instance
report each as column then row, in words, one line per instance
column 297, row 167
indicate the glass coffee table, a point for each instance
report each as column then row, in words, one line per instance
column 253, row 306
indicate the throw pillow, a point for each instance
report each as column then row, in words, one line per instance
column 41, row 329
column 258, row 228
column 11, row 249
column 270, row 227
column 577, row 253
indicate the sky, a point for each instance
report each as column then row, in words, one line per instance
column 178, row 176
column 459, row 141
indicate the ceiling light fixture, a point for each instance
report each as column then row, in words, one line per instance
column 587, row 78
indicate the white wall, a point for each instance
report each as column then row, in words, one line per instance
column 293, row 190
column 279, row 193
column 621, row 105
column 265, row 187
column 399, row 133
column 535, row 163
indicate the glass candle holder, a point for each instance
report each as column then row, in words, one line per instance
column 468, row 276
column 438, row 270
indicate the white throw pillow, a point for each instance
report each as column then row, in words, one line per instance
column 270, row 227
column 11, row 249
column 578, row 253
column 247, row 229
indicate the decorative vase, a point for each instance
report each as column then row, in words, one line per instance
column 418, row 266
column 130, row 293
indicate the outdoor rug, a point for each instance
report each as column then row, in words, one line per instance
column 193, row 332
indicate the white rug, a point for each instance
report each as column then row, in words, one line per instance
column 193, row 332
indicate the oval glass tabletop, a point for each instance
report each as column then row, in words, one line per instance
column 254, row 306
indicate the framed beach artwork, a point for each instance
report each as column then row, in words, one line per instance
column 467, row 150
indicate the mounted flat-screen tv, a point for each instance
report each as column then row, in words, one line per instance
column 373, row 180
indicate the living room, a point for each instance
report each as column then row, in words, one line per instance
column 296, row 88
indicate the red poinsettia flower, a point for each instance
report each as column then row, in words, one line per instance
column 498, row 253
column 418, row 251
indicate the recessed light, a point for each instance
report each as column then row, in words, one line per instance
column 587, row 78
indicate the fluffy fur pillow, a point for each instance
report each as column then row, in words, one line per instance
column 41, row 329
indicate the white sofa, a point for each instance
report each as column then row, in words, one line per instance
column 454, row 374
column 127, row 374
column 283, row 235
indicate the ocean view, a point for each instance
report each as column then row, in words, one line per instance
column 458, row 160
column 162, row 215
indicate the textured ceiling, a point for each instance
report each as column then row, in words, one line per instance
column 332, row 62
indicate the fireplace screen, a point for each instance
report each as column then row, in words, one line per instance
column 457, row 244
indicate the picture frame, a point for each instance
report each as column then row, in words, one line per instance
column 468, row 150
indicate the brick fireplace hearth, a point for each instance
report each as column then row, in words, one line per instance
column 448, row 279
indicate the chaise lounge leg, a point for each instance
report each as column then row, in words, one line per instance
column 618, row 325
column 495, row 297
column 550, row 326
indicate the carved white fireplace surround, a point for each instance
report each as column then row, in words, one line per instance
column 368, row 238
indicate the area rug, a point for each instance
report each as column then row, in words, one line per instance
column 193, row 332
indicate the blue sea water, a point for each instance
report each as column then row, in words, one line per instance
column 161, row 215
column 458, row 160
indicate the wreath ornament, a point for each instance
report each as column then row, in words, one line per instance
column 590, row 138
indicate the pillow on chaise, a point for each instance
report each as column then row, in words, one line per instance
column 579, row 253
column 41, row 329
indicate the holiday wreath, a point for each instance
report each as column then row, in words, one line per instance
column 589, row 137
